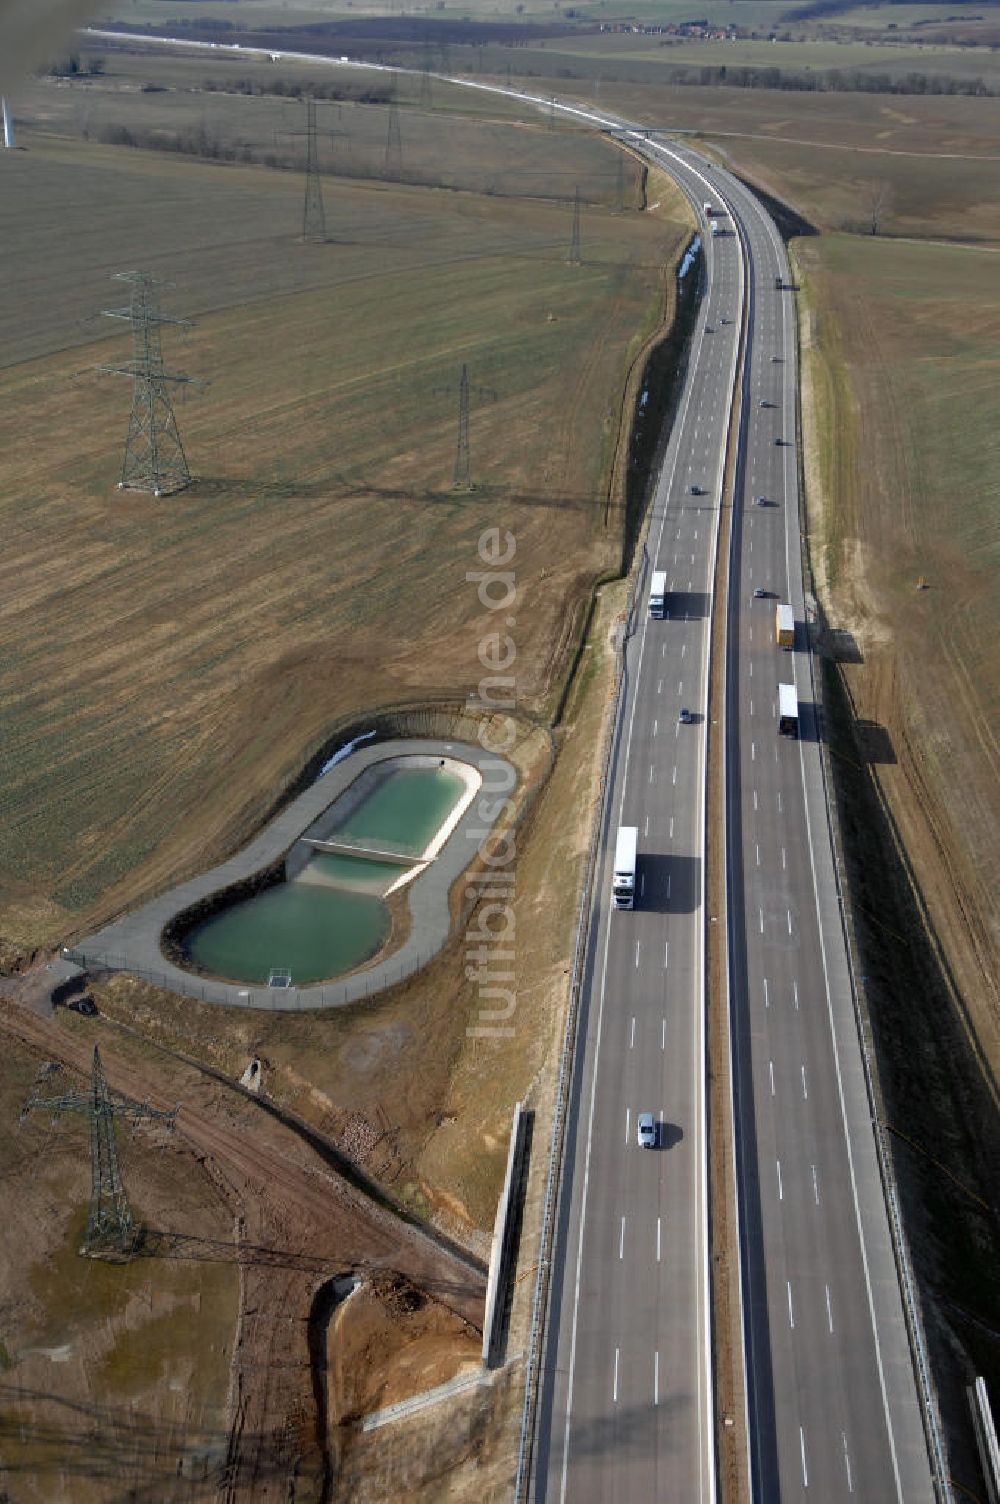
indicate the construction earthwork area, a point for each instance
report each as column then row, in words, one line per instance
column 174, row 667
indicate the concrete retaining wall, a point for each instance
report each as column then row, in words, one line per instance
column 506, row 1238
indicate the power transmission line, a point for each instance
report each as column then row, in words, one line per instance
column 154, row 456
column 313, row 213
column 574, row 257
column 111, row 1232
column 462, row 474
column 393, row 142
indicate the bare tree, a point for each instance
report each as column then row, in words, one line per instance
column 878, row 202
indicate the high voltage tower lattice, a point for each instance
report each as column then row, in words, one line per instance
column 313, row 216
column 393, row 141
column 112, row 1232
column 574, row 256
column 154, row 455
column 462, row 475
column 425, row 100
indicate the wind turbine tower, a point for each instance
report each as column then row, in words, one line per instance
column 8, row 127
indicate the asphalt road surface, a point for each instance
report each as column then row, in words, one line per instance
column 626, row 1408
column 834, row 1411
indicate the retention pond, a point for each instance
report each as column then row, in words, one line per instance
column 328, row 914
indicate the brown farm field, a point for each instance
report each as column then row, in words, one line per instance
column 939, row 156
column 112, row 1377
column 911, row 453
column 900, row 345
column 168, row 665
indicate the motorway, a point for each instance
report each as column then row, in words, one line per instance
column 626, row 1409
column 834, row 1406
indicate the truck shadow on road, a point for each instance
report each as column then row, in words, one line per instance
column 669, row 884
column 688, row 605
column 809, row 722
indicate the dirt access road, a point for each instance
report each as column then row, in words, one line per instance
column 299, row 1225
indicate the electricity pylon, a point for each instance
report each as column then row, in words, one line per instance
column 574, row 257
column 462, row 478
column 111, row 1228
column 393, row 141
column 426, row 102
column 313, row 216
column 154, row 455
column 462, row 474
column 313, row 213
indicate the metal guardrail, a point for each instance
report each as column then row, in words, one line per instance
column 986, row 1438
column 583, row 929
column 539, row 1299
column 933, row 1429
column 907, row 1284
column 739, row 470
column 584, row 918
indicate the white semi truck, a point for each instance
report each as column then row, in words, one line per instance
column 626, row 851
column 658, row 594
column 788, row 710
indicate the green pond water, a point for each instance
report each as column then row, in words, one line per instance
column 332, row 917
column 346, row 871
column 314, row 932
column 405, row 811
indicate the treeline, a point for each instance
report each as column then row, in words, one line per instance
column 816, row 81
column 832, row 81
column 817, row 8
column 290, row 90
column 91, row 66
column 197, row 141
column 200, row 141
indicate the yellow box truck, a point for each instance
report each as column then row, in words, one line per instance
column 784, row 627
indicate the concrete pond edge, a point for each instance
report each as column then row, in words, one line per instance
column 133, row 943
